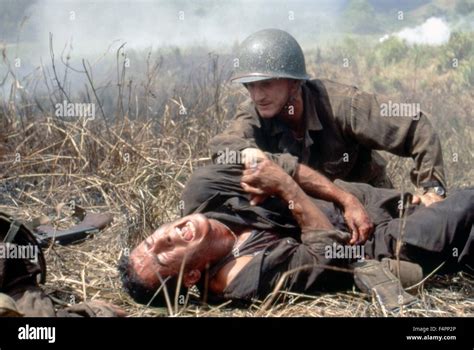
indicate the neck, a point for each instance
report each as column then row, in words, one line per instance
column 223, row 241
column 230, row 269
column 294, row 120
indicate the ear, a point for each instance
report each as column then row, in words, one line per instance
column 294, row 86
column 191, row 278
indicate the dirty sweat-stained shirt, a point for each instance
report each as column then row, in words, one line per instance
column 344, row 128
column 275, row 256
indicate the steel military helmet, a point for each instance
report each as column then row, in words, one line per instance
column 268, row 54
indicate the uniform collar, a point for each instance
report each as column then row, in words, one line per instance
column 310, row 116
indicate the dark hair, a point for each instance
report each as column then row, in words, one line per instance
column 143, row 294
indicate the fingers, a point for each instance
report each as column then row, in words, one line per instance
column 430, row 198
column 360, row 232
column 251, row 189
column 426, row 199
column 252, row 156
column 365, row 231
column 416, row 199
column 255, row 166
column 253, row 173
column 436, row 198
column 257, row 199
column 250, row 172
column 354, row 238
column 253, row 163
column 355, row 233
column 249, row 179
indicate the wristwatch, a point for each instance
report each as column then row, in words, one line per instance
column 435, row 187
column 439, row 190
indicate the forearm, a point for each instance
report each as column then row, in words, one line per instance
column 242, row 132
column 305, row 212
column 318, row 186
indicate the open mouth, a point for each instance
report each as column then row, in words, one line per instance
column 187, row 231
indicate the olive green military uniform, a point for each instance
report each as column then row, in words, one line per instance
column 344, row 126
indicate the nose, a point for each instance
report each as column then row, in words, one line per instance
column 155, row 242
column 256, row 93
column 151, row 244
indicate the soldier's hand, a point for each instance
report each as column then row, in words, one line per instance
column 427, row 199
column 264, row 179
column 251, row 156
column 358, row 221
column 256, row 199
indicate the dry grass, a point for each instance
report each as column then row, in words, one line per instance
column 135, row 161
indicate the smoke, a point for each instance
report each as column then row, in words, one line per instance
column 91, row 26
column 95, row 29
column 184, row 32
column 434, row 31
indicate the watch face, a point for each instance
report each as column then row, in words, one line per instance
column 439, row 190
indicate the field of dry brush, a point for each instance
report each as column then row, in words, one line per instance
column 155, row 114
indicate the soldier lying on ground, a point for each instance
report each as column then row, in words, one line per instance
column 233, row 250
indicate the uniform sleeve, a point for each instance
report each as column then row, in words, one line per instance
column 245, row 131
column 286, row 161
column 242, row 133
column 381, row 124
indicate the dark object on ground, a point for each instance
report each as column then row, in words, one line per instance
column 92, row 223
